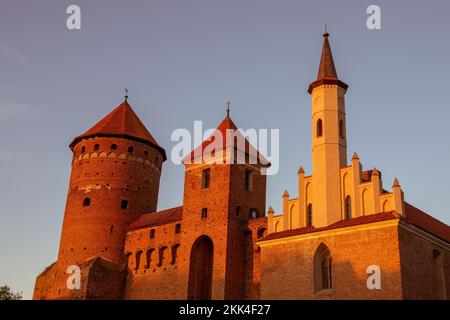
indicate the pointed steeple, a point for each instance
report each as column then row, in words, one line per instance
column 327, row 71
column 396, row 184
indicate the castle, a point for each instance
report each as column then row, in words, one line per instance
column 344, row 237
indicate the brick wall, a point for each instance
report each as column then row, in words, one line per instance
column 287, row 267
column 416, row 256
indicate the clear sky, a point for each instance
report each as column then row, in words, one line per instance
column 182, row 60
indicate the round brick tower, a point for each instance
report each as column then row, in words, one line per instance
column 116, row 169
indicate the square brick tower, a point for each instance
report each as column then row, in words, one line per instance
column 223, row 189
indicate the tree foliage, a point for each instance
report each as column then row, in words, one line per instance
column 7, row 294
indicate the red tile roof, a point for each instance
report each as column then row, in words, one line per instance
column 340, row 224
column 224, row 126
column 121, row 122
column 157, row 218
column 414, row 216
column 426, row 222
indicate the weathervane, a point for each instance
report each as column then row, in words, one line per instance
column 126, row 94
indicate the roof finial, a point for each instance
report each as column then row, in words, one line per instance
column 228, row 109
column 326, row 34
column 126, row 94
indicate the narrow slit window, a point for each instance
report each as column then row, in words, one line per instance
column 309, row 216
column 204, row 213
column 206, row 178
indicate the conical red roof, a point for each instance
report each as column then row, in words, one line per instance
column 224, row 126
column 122, row 122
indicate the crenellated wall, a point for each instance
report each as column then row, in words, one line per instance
column 152, row 260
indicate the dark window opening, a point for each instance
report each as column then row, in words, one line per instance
column 96, row 147
column 130, row 149
column 319, row 128
column 86, row 202
column 178, row 228
column 149, row 257
column 162, row 258
column 152, row 234
column 113, row 147
column 124, row 204
column 204, row 213
column 238, row 211
column 138, row 259
column 261, row 232
column 341, row 129
column 175, row 253
column 309, row 216
column 145, row 153
column 348, row 207
column 206, row 178
column 248, row 180
column 322, row 266
column 83, row 149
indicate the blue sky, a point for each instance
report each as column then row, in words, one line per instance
column 182, row 60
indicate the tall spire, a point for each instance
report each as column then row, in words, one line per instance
column 327, row 70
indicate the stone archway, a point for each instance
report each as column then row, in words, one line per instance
column 200, row 269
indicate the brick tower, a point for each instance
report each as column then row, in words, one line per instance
column 220, row 196
column 115, row 176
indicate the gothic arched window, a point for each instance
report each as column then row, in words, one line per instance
column 319, row 128
column 348, row 207
column 322, row 265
